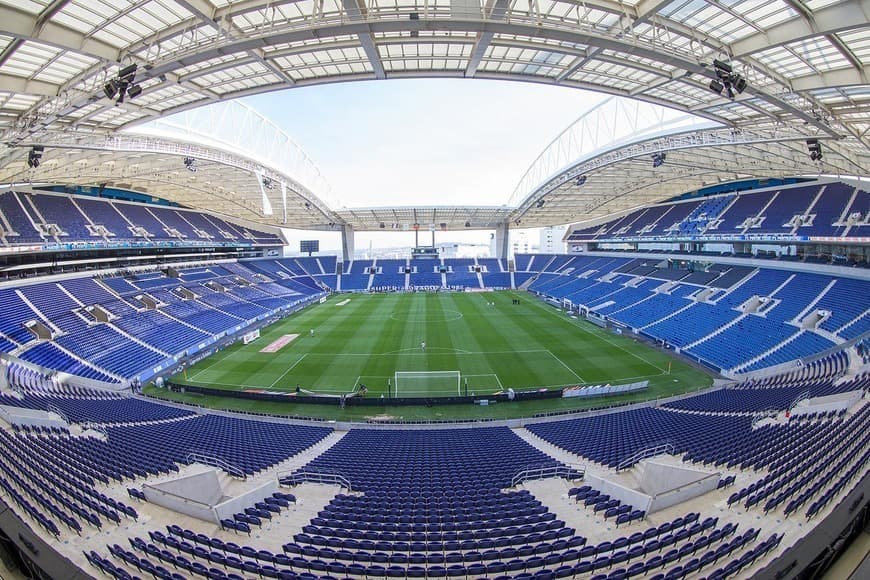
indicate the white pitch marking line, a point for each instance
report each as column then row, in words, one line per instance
column 236, row 385
column 567, row 367
column 284, row 374
column 216, row 360
column 404, row 351
column 603, row 336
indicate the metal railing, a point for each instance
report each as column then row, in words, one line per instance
column 533, row 472
column 59, row 412
column 762, row 415
column 206, row 459
column 327, row 477
column 664, row 448
column 96, row 427
column 803, row 395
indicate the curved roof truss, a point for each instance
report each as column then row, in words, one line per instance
column 239, row 129
column 624, row 177
column 217, row 179
column 805, row 61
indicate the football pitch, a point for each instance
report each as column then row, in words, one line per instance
column 475, row 343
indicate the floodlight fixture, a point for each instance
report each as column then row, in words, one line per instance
column 111, row 88
column 722, row 65
column 34, row 156
column 815, row 149
column 128, row 73
column 123, row 85
column 726, row 79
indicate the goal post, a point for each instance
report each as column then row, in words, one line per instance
column 427, row 383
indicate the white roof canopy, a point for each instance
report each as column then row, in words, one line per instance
column 805, row 64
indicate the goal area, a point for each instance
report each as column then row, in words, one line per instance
column 425, row 383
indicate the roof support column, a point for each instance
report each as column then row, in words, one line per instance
column 358, row 11
column 501, row 240
column 347, row 248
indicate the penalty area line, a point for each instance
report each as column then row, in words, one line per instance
column 235, row 385
column 602, row 335
column 570, row 370
column 211, row 363
column 284, row 374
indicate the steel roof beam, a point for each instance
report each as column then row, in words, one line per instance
column 510, row 28
column 16, row 84
column 843, row 77
column 205, row 13
column 646, row 9
column 26, row 26
column 356, row 12
column 848, row 54
column 837, row 17
column 495, row 10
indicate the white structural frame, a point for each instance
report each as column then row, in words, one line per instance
column 237, row 128
column 615, row 179
column 806, row 65
column 612, row 123
column 424, row 375
column 255, row 207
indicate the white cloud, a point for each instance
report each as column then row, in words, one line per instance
column 429, row 141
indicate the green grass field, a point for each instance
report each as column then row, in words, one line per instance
column 365, row 339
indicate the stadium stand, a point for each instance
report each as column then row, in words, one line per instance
column 438, row 502
column 763, row 318
column 771, row 316
column 800, row 211
column 62, row 218
column 136, row 337
column 120, row 264
column 497, row 280
column 460, row 273
column 356, row 275
column 492, row 265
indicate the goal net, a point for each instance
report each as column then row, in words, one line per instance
column 427, row 383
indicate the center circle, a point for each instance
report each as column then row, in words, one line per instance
column 445, row 316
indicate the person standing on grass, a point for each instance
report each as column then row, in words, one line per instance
column 423, row 346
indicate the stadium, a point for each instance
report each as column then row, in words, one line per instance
column 673, row 384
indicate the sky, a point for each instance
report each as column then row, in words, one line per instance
column 422, row 141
